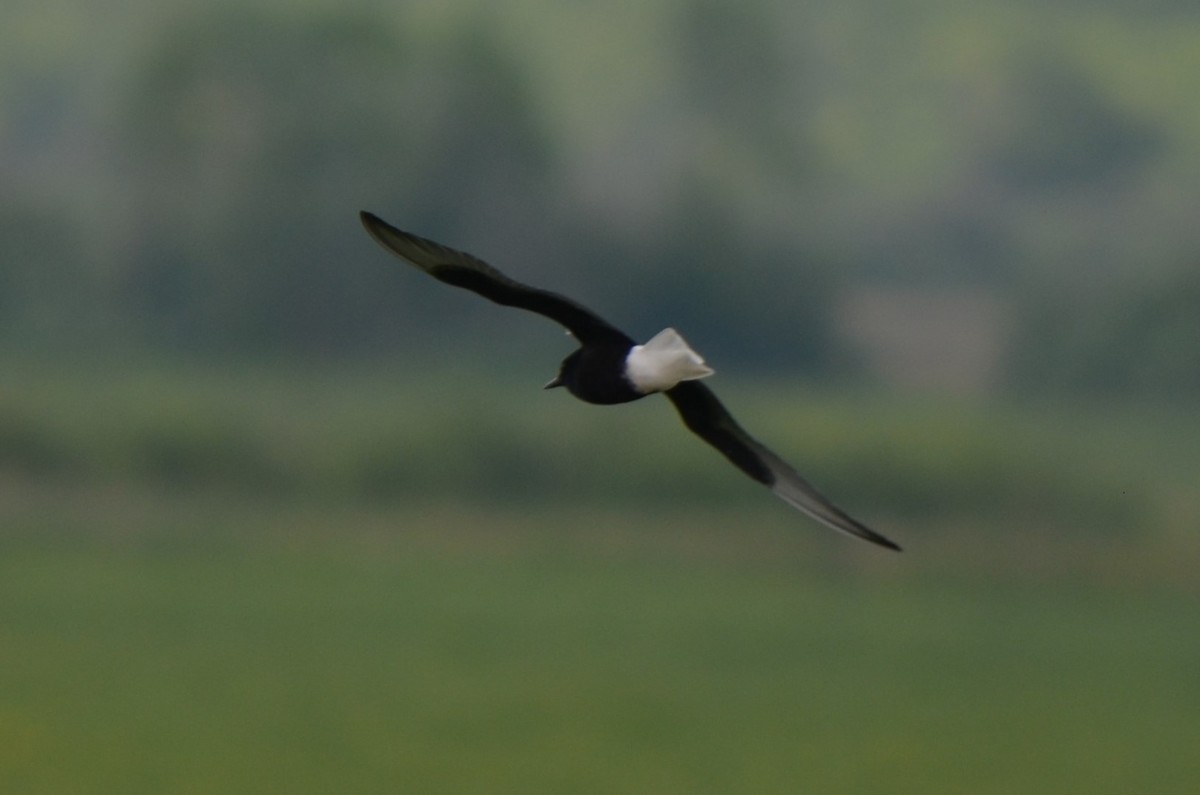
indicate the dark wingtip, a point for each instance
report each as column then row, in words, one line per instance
column 867, row 534
column 885, row 542
column 859, row 530
column 369, row 220
column 388, row 236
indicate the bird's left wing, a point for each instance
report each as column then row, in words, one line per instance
column 467, row 271
column 706, row 417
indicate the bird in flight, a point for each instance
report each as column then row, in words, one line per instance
column 609, row 367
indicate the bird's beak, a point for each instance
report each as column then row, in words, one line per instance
column 556, row 381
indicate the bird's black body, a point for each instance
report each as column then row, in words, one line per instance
column 596, row 374
column 600, row 371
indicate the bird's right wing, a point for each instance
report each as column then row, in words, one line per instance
column 707, row 418
column 467, row 271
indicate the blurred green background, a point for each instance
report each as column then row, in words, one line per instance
column 280, row 514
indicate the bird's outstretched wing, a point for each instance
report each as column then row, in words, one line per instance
column 707, row 418
column 464, row 270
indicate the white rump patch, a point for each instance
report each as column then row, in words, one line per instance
column 664, row 361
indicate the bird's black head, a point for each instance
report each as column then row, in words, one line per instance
column 566, row 372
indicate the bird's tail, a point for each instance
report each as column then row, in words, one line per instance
column 664, row 361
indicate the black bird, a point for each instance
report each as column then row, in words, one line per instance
column 609, row 367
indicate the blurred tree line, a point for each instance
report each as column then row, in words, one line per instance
column 186, row 178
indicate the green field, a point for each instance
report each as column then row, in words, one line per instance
column 206, row 587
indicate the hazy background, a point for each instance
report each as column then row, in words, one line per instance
column 278, row 513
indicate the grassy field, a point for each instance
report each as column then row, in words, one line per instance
column 182, row 645
column 203, row 588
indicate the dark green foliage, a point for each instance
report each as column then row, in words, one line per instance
column 1142, row 339
column 189, row 184
column 1063, row 133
